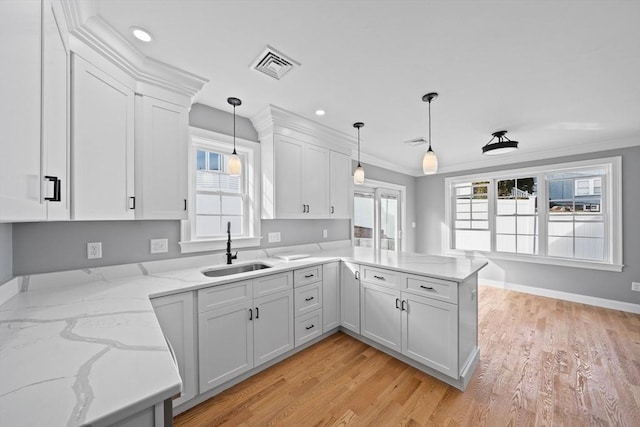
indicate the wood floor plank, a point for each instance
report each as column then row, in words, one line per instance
column 544, row 362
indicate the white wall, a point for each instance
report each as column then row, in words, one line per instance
column 595, row 283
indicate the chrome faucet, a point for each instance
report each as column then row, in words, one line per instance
column 229, row 255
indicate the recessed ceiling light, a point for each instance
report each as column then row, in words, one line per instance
column 141, row 34
column 320, row 112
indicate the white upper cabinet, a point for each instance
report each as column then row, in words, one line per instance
column 340, row 190
column 55, row 113
column 102, row 144
column 161, row 159
column 305, row 167
column 20, row 95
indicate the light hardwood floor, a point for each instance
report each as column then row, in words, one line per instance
column 543, row 362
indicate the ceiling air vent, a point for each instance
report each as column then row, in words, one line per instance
column 416, row 142
column 273, row 63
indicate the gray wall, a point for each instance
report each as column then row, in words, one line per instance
column 205, row 117
column 57, row 246
column 380, row 174
column 6, row 254
column 596, row 283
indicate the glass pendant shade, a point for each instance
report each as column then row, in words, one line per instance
column 358, row 175
column 429, row 163
column 235, row 165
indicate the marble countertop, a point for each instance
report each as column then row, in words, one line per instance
column 84, row 347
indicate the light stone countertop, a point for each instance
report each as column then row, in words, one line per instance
column 84, row 347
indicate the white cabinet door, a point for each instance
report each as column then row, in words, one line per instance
column 288, row 155
column 102, row 145
column 20, row 101
column 225, row 344
column 430, row 333
column 350, row 296
column 273, row 328
column 161, row 159
column 330, row 296
column 341, row 183
column 381, row 315
column 315, row 181
column 175, row 314
column 55, row 114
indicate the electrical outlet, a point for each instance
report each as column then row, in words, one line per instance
column 274, row 237
column 94, row 250
column 635, row 286
column 325, row 234
column 159, row 246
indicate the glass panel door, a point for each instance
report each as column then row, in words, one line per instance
column 389, row 228
column 363, row 219
column 376, row 218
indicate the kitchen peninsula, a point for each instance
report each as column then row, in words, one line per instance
column 88, row 347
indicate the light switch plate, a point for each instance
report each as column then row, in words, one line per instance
column 94, row 250
column 159, row 246
column 635, row 286
column 325, row 234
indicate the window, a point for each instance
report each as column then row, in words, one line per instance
column 218, row 199
column 567, row 214
column 377, row 215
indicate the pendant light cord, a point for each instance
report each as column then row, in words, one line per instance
column 358, row 147
column 429, row 126
column 234, row 130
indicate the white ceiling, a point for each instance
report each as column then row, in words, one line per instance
column 560, row 76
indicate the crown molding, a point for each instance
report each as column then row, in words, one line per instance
column 272, row 120
column 87, row 26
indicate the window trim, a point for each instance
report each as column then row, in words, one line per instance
column 202, row 138
column 613, row 201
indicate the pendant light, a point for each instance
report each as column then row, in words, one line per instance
column 235, row 165
column 501, row 146
column 358, row 174
column 429, row 161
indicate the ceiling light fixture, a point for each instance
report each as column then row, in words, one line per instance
column 358, row 174
column 320, row 112
column 501, row 146
column 235, row 165
column 429, row 161
column 141, row 34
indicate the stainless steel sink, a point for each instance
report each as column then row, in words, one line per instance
column 234, row 269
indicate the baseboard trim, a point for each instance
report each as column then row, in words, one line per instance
column 565, row 296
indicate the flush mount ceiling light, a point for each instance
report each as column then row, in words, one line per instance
column 429, row 161
column 141, row 34
column 235, row 165
column 358, row 174
column 501, row 146
column 320, row 112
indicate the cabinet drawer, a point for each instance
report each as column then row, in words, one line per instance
column 444, row 290
column 224, row 295
column 380, row 276
column 308, row 298
column 308, row 327
column 304, row 276
column 268, row 285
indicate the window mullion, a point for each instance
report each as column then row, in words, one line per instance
column 543, row 205
column 492, row 201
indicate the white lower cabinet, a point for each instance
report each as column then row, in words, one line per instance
column 330, row 296
column 381, row 317
column 308, row 326
column 176, row 316
column 273, row 326
column 422, row 328
column 238, row 331
column 430, row 333
column 350, row 296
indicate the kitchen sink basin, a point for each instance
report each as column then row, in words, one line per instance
column 234, row 269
